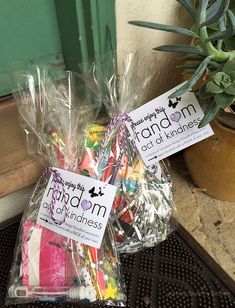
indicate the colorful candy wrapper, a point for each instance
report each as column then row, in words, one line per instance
column 143, row 210
column 48, row 266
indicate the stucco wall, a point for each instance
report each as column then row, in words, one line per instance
column 130, row 38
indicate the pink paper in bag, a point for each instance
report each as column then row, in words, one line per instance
column 45, row 262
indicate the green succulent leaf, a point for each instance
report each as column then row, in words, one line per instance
column 226, row 83
column 229, row 67
column 203, row 94
column 222, row 27
column 230, row 31
column 232, row 75
column 179, row 48
column 211, row 87
column 221, row 78
column 213, row 27
column 230, row 90
column 202, row 6
column 213, row 9
column 191, row 82
column 188, row 5
column 210, row 114
column 218, row 12
column 215, row 65
column 168, row 28
column 224, row 100
column 192, row 58
column 219, row 35
column 201, row 14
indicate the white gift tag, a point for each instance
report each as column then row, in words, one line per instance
column 89, row 203
column 163, row 127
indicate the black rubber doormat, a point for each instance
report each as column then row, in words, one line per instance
column 171, row 275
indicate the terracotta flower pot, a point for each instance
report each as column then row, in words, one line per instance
column 211, row 162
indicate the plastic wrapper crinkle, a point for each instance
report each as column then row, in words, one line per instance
column 61, row 126
column 143, row 208
column 48, row 266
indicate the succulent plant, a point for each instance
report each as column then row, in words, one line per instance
column 220, row 87
column 211, row 52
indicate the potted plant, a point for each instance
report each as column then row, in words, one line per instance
column 210, row 64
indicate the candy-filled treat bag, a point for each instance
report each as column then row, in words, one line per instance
column 143, row 207
column 65, row 249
